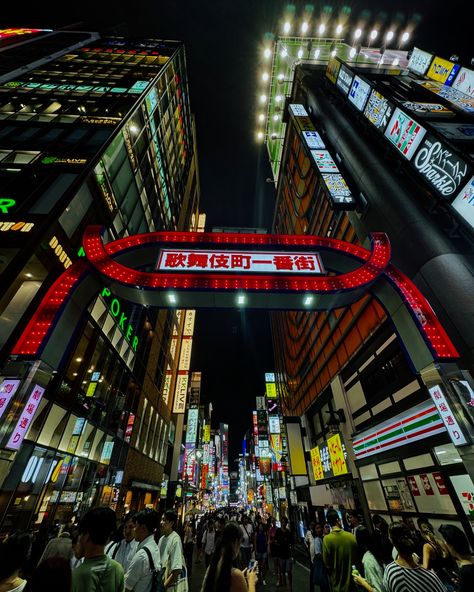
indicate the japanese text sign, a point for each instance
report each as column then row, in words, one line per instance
column 336, row 453
column 316, row 464
column 7, row 389
column 405, row 133
column 26, row 418
column 239, row 261
column 447, row 416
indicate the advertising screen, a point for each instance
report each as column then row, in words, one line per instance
column 324, row 161
column 359, row 92
column 404, row 133
column 298, row 110
column 456, row 131
column 338, row 190
column 378, row 110
column 313, row 140
column 274, row 424
column 420, row 61
column 442, row 71
column 428, row 109
column 464, row 82
column 440, row 167
column 332, row 70
column 344, row 79
column 454, row 96
column 464, row 203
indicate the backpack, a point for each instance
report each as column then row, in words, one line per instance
column 157, row 584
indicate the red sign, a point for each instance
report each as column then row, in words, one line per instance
column 438, row 477
column 413, row 486
column 425, row 481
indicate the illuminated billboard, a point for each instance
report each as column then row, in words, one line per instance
column 26, row 418
column 332, row 70
column 8, row 388
column 454, row 96
column 464, row 82
column 455, row 131
column 344, row 79
column 428, row 109
column 440, row 167
column 419, row 61
column 442, row 71
column 464, row 203
column 338, row 190
column 359, row 92
column 324, row 161
column 404, row 133
column 378, row 110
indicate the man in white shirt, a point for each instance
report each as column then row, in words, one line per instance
column 139, row 574
column 124, row 550
column 209, row 542
column 171, row 553
column 247, row 541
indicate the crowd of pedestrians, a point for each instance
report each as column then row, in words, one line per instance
column 239, row 550
column 399, row 557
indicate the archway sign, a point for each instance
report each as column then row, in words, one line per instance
column 218, row 270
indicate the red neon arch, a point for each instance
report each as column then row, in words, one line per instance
column 375, row 263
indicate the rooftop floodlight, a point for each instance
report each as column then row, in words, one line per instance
column 276, row 117
column 357, row 33
column 316, row 53
column 267, row 52
column 278, row 98
column 300, row 53
column 274, row 136
column 390, row 35
column 172, row 298
column 260, row 135
column 308, row 299
column 304, row 27
column 373, row 34
column 333, row 52
column 287, row 27
column 261, row 117
column 284, row 52
column 339, row 29
column 395, row 62
column 322, row 28
column 241, row 299
column 352, row 52
column 280, row 77
column 405, row 37
column 263, row 98
column 265, row 77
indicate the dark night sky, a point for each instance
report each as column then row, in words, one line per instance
column 222, row 39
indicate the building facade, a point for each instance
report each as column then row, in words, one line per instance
column 94, row 130
column 371, row 147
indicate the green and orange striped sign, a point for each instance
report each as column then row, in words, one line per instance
column 418, row 423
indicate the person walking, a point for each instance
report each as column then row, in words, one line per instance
column 458, row 546
column 261, row 550
column 404, row 574
column 284, row 540
column 60, row 546
column 124, row 550
column 381, row 540
column 139, row 576
column 436, row 555
column 320, row 574
column 339, row 554
column 273, row 548
column 354, row 521
column 98, row 572
column 171, row 552
column 14, row 553
column 371, row 561
column 208, row 542
column 221, row 575
column 246, row 545
column 188, row 546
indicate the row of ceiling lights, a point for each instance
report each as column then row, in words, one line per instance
column 241, row 299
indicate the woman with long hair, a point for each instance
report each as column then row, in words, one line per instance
column 221, row 575
column 458, row 546
column 436, row 554
column 381, row 540
column 371, row 560
column 404, row 574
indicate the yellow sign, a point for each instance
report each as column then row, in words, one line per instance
column 336, row 454
column 316, row 464
column 207, row 433
column 333, row 69
column 440, row 70
column 270, row 388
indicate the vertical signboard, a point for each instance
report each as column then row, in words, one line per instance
column 447, row 415
column 337, row 456
column 26, row 418
column 8, row 388
column 294, row 442
column 464, row 203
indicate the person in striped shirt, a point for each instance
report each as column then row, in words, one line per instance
column 404, row 574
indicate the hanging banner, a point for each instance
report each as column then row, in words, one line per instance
column 26, row 418
column 7, row 389
column 316, row 464
column 336, row 453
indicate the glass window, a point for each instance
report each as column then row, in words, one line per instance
column 418, row 462
column 374, row 494
column 447, row 454
column 53, row 427
column 391, row 467
column 398, row 494
column 431, row 494
column 368, row 472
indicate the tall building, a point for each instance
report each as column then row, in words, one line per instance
column 363, row 141
column 93, row 130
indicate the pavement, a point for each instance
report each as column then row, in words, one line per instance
column 300, row 579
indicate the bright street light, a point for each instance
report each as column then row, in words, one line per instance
column 267, row 52
column 390, row 35
column 287, row 27
column 304, row 27
column 373, row 34
column 322, row 28
column 405, row 37
column 353, row 52
column 339, row 29
column 357, row 33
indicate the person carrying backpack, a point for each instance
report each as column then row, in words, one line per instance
column 144, row 572
column 175, row 577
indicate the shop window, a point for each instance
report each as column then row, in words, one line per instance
column 374, row 495
column 418, row 462
column 391, row 467
column 76, row 210
column 85, row 441
column 368, row 472
column 53, row 427
column 49, row 198
column 38, row 421
column 447, row 454
column 69, row 440
column 14, row 310
column 397, row 493
column 431, row 494
column 97, row 445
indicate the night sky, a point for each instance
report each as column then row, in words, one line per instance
column 222, row 38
